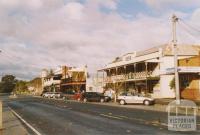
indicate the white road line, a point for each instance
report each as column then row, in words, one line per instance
column 110, row 116
column 27, row 124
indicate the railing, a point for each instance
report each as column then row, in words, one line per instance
column 139, row 75
column 70, row 80
column 50, row 82
column 130, row 76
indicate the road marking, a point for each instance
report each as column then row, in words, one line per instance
column 27, row 124
column 110, row 116
column 145, row 121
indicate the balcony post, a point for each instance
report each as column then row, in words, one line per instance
column 146, row 70
column 134, row 75
column 125, row 77
column 114, row 81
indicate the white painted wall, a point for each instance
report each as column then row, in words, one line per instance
column 95, row 85
column 165, row 90
column 166, row 62
column 51, row 81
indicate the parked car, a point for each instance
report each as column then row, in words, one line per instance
column 77, row 96
column 128, row 98
column 68, row 94
column 52, row 95
column 94, row 96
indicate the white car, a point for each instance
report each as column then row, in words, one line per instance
column 127, row 98
column 51, row 95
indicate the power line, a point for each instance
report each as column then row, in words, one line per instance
column 188, row 31
column 192, row 27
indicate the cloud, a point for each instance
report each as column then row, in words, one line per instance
column 20, row 4
column 159, row 4
column 73, row 10
column 51, row 33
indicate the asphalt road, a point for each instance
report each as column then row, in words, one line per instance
column 50, row 117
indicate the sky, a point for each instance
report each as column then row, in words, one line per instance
column 38, row 34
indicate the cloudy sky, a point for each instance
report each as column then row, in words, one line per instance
column 37, row 34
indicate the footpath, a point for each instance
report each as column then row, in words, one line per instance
column 11, row 124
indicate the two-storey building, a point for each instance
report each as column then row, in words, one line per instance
column 73, row 79
column 51, row 79
column 151, row 71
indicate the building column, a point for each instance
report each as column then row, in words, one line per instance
column 125, row 78
column 114, row 81
column 146, row 70
column 134, row 75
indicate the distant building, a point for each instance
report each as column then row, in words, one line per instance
column 151, row 72
column 35, row 86
column 73, row 79
column 94, row 84
column 65, row 79
column 51, row 79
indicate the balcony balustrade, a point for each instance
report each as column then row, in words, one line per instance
column 129, row 76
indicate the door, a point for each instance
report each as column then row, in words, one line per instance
column 94, row 97
column 129, row 98
column 138, row 99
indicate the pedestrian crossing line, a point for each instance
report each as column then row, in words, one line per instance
column 110, row 116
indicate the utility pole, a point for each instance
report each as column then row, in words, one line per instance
column 174, row 42
column 1, row 120
column 1, row 108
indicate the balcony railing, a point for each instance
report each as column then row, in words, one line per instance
column 70, row 80
column 51, row 82
column 130, row 76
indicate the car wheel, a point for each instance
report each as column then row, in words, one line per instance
column 85, row 100
column 101, row 100
column 122, row 102
column 146, row 102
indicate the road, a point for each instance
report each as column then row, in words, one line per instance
column 51, row 117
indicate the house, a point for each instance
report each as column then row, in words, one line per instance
column 151, row 72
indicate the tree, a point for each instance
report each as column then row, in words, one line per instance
column 172, row 83
column 7, row 84
column 21, row 87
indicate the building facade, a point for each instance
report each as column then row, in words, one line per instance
column 151, row 72
column 190, row 77
column 73, row 79
column 35, row 86
column 51, row 79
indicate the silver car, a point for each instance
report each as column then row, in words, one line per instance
column 128, row 98
column 52, row 94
